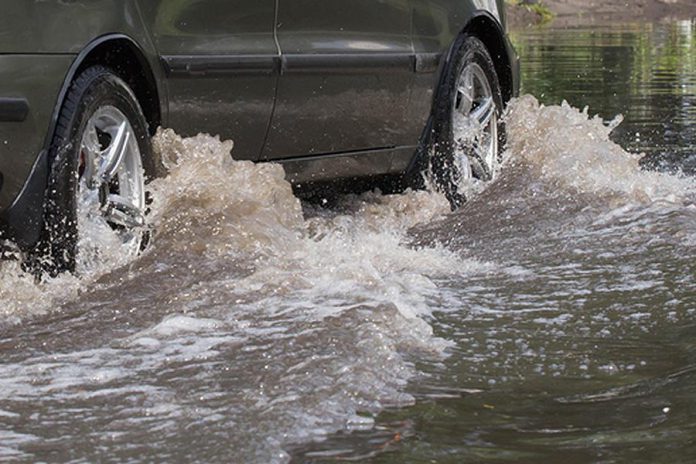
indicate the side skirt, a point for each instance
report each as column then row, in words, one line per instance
column 355, row 164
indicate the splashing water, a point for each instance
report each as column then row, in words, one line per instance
column 299, row 323
column 566, row 146
column 254, row 322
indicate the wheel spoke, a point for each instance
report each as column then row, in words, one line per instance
column 114, row 154
column 91, row 151
column 484, row 113
column 464, row 101
column 463, row 165
column 465, row 93
column 120, row 211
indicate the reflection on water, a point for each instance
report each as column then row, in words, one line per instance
column 645, row 72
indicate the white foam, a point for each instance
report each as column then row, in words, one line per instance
column 567, row 146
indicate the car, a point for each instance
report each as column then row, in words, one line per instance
column 332, row 89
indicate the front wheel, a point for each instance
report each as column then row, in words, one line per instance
column 101, row 153
column 467, row 130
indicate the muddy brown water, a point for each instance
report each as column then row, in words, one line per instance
column 551, row 319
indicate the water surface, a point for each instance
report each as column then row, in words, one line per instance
column 577, row 346
column 551, row 319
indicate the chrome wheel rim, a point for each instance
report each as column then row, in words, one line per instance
column 474, row 124
column 111, row 187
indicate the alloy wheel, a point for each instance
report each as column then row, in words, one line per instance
column 111, row 191
column 474, row 124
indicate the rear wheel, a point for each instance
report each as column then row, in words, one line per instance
column 101, row 152
column 467, row 131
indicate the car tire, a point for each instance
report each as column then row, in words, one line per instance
column 100, row 156
column 467, row 133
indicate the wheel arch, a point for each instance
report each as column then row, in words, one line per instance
column 488, row 30
column 125, row 57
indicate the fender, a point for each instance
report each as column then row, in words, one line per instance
column 77, row 65
column 500, row 35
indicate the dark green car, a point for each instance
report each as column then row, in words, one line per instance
column 333, row 89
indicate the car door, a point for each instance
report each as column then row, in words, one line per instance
column 345, row 80
column 222, row 64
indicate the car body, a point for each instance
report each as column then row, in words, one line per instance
column 330, row 88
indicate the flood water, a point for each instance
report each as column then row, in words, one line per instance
column 551, row 319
